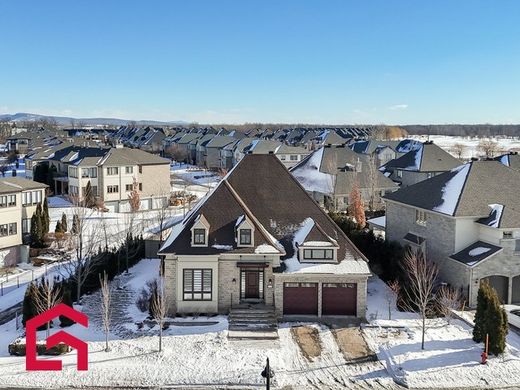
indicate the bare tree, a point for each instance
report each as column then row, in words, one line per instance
column 458, row 150
column 394, row 288
column 488, row 147
column 133, row 197
column 448, row 299
column 106, row 306
column 46, row 296
column 159, row 308
column 86, row 241
column 421, row 275
column 176, row 152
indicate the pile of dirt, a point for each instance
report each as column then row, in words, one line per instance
column 352, row 345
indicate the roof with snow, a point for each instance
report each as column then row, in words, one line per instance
column 427, row 158
column 475, row 253
column 261, row 188
column 468, row 190
column 511, row 160
column 332, row 169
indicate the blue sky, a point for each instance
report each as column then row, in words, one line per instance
column 394, row 62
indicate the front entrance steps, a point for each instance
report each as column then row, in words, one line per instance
column 252, row 321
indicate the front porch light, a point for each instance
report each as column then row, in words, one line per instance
column 270, row 283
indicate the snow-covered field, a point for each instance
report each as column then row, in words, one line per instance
column 505, row 144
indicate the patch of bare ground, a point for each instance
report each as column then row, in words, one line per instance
column 308, row 339
column 352, row 345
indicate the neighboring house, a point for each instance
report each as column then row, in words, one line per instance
column 383, row 150
column 212, row 150
column 111, row 173
column 271, row 244
column 467, row 221
column 330, row 173
column 511, row 160
column 419, row 164
column 290, row 155
column 18, row 200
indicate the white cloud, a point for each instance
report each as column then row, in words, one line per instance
column 396, row 107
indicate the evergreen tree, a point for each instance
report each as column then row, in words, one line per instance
column 490, row 319
column 89, row 198
column 28, row 307
column 46, row 221
column 64, row 225
column 480, row 328
column 66, row 299
column 59, row 228
column 75, row 224
column 37, row 229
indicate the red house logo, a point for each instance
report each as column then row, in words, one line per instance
column 31, row 361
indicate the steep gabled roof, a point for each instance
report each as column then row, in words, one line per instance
column 428, row 158
column 468, row 190
column 511, row 160
column 261, row 188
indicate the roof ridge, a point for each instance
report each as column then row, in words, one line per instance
column 463, row 187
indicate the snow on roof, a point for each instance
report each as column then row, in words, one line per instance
column 240, row 220
column 303, row 231
column 359, row 267
column 452, row 190
column 379, row 221
column 266, row 249
column 417, row 160
column 310, row 176
column 222, row 247
column 496, row 213
column 318, row 243
column 478, row 251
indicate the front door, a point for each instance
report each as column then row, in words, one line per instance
column 252, row 285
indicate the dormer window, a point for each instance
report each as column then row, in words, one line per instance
column 200, row 231
column 245, row 237
column 199, row 236
column 244, row 231
column 318, row 254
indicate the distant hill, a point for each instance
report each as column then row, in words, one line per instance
column 66, row 121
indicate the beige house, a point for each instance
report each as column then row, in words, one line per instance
column 112, row 174
column 247, row 244
column 18, row 200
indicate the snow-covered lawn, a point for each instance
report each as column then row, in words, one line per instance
column 195, row 175
column 505, row 144
column 451, row 358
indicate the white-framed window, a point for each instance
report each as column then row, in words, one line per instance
column 282, row 157
column 318, row 254
column 199, row 236
column 399, row 173
column 73, row 172
column 26, row 225
column 7, row 201
column 88, row 172
column 507, row 235
column 129, row 187
column 31, row 198
column 294, row 157
column 197, row 284
column 112, row 171
column 420, row 217
column 245, row 237
column 129, row 170
column 112, row 189
column 8, row 229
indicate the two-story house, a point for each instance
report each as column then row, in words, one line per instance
column 271, row 244
column 112, row 173
column 18, row 200
column 467, row 221
column 419, row 164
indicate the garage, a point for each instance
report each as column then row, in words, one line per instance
column 501, row 285
column 339, row 299
column 300, row 298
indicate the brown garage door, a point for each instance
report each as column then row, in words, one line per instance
column 300, row 298
column 339, row 299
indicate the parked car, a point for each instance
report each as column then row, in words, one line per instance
column 513, row 315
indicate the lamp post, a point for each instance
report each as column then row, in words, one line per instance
column 267, row 373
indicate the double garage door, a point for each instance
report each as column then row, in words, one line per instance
column 337, row 299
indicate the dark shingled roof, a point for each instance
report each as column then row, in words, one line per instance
column 428, row 158
column 486, row 183
column 482, row 250
column 261, row 187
